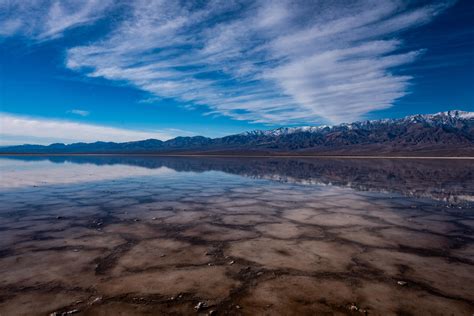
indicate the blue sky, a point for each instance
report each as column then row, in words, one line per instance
column 126, row 70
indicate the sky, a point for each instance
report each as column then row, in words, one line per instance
column 90, row 70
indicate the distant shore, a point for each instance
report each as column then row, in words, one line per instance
column 240, row 156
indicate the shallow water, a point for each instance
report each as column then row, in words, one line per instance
column 256, row 236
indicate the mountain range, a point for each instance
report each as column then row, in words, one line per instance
column 448, row 133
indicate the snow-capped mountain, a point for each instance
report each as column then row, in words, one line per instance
column 441, row 118
column 448, row 133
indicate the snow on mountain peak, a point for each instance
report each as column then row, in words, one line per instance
column 426, row 118
column 457, row 114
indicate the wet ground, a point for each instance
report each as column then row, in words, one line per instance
column 165, row 236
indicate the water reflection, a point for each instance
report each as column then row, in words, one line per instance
column 186, row 236
column 448, row 180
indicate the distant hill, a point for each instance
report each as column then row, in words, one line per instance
column 442, row 134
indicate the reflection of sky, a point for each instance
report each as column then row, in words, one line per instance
column 440, row 180
column 16, row 173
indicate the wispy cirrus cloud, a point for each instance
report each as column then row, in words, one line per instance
column 262, row 61
column 16, row 129
column 269, row 61
column 48, row 19
column 80, row 112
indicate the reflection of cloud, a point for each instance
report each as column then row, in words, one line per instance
column 13, row 128
column 18, row 174
column 439, row 179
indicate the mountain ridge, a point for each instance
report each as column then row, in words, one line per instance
column 444, row 133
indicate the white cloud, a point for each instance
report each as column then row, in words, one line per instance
column 268, row 61
column 48, row 19
column 19, row 129
column 80, row 112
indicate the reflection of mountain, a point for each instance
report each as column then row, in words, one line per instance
column 443, row 134
column 450, row 180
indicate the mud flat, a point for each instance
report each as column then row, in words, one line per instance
column 174, row 243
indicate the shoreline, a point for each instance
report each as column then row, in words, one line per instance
column 240, row 156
